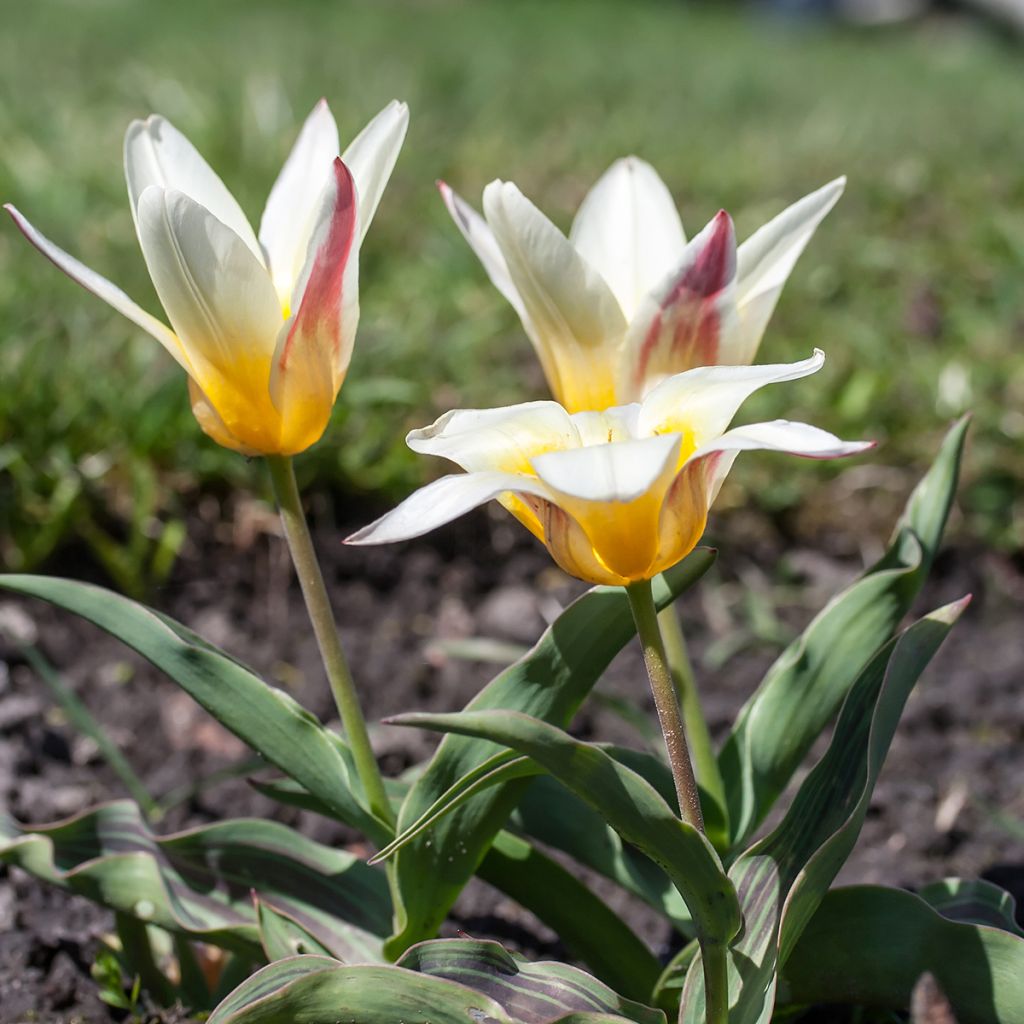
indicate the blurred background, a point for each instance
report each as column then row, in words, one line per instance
column 914, row 285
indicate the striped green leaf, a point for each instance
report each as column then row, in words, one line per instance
column 588, row 929
column 202, row 882
column 526, row 991
column 868, row 945
column 553, row 815
column 630, row 804
column 282, row 936
column 550, row 683
column 804, row 688
column 586, row 926
column 445, row 981
column 266, row 718
column 782, row 878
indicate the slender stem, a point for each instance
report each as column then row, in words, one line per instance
column 641, row 600
column 138, row 953
column 318, row 605
column 716, row 982
column 704, row 761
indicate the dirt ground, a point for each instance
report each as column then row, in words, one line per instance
column 956, row 762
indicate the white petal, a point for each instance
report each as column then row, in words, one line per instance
column 100, row 286
column 785, row 436
column 371, row 157
column 289, row 218
column 700, row 403
column 764, row 262
column 215, row 291
column 621, row 471
column 482, row 241
column 628, row 229
column 682, row 322
column 576, row 320
column 618, row 423
column 440, row 502
column 497, row 439
column 156, row 153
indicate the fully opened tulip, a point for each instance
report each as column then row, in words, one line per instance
column 263, row 324
column 619, row 495
column 625, row 301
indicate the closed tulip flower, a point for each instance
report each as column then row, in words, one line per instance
column 625, row 301
column 618, row 495
column 263, row 324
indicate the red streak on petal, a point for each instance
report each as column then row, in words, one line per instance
column 689, row 309
column 320, row 307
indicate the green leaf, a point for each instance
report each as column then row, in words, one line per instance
column 201, row 882
column 447, row 981
column 782, row 878
column 501, row 768
column 590, row 931
column 549, row 683
column 527, row 991
column 556, row 817
column 630, row 804
column 973, row 901
column 266, row 718
column 586, row 927
column 868, row 945
column 282, row 936
column 803, row 689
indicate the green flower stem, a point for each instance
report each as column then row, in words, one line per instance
column 318, row 605
column 704, row 760
column 715, row 962
column 641, row 600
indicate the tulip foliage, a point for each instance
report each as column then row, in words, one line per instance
column 648, row 351
column 508, row 789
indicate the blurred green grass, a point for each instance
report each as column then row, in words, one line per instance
column 914, row 285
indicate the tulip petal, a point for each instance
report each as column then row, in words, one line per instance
column 371, row 157
column 764, row 262
column 497, row 439
column 575, row 319
column 315, row 346
column 212, row 423
column 700, row 403
column 681, row 322
column 570, row 546
column 621, row 472
column 481, row 240
column 800, row 439
column 101, row 287
column 785, row 436
column 290, row 216
column 216, row 293
column 440, row 502
column 156, row 153
column 629, row 230
column 684, row 512
column 615, row 493
column 618, row 423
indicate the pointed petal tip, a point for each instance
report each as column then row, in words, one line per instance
column 722, row 221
